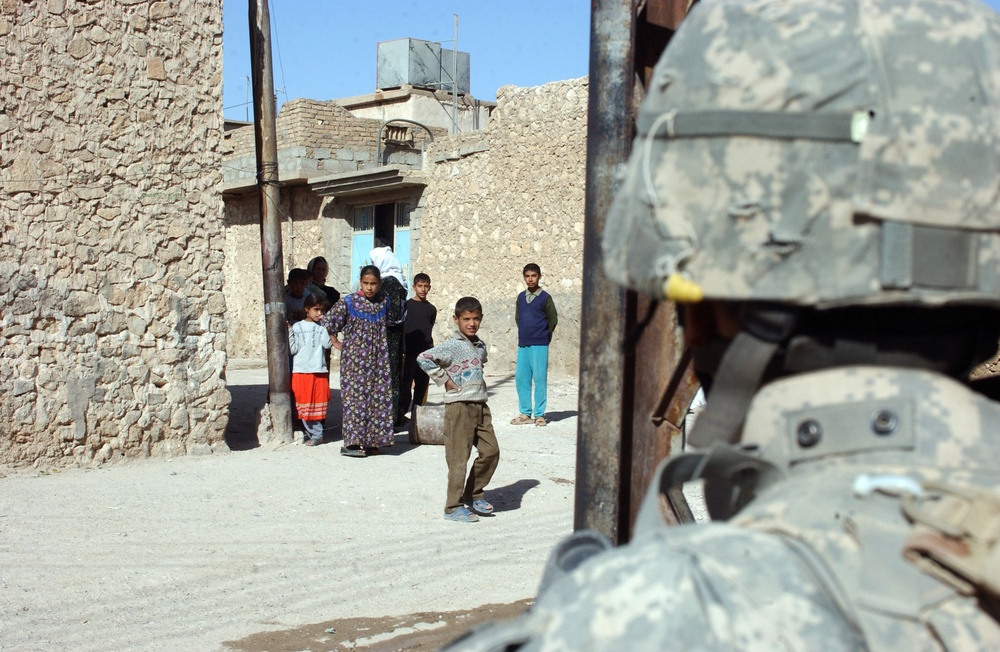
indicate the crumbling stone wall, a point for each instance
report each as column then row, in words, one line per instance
column 112, row 316
column 499, row 199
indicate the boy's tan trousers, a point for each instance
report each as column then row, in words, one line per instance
column 467, row 425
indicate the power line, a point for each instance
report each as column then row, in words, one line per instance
column 277, row 46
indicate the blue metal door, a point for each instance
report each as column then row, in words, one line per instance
column 362, row 242
column 401, row 241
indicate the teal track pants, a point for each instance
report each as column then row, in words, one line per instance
column 532, row 368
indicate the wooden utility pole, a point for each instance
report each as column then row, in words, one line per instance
column 276, row 328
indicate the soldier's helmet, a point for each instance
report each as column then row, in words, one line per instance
column 818, row 154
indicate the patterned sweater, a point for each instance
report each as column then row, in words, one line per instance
column 461, row 360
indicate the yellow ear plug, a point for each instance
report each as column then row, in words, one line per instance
column 679, row 289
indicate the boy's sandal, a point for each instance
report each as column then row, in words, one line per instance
column 482, row 507
column 352, row 451
column 520, row 420
column 461, row 515
column 540, row 421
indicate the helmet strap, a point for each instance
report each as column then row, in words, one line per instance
column 740, row 374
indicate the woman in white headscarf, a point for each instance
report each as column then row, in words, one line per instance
column 395, row 289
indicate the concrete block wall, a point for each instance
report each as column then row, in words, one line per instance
column 323, row 137
column 112, row 314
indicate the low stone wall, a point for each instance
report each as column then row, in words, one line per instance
column 112, row 316
column 505, row 197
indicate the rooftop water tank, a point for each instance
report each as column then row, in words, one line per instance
column 424, row 64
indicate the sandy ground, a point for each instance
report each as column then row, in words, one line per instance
column 269, row 547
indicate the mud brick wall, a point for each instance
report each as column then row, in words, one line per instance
column 317, row 138
column 112, row 316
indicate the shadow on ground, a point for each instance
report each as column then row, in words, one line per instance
column 559, row 416
column 244, row 410
column 244, row 414
column 509, row 498
column 493, row 385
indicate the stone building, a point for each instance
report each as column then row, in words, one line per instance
column 469, row 209
column 374, row 167
column 130, row 256
column 511, row 195
column 112, row 314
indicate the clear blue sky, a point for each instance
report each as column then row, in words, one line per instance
column 325, row 49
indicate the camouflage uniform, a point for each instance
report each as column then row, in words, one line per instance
column 796, row 156
column 814, row 562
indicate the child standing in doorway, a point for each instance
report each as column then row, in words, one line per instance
column 364, row 366
column 308, row 343
column 458, row 365
column 418, row 336
column 536, row 319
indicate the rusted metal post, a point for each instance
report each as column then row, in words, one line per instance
column 604, row 436
column 626, row 421
column 276, row 329
column 658, row 406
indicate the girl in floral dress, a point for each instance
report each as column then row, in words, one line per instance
column 365, row 387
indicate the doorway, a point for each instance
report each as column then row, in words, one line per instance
column 380, row 225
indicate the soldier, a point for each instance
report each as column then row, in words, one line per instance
column 816, row 185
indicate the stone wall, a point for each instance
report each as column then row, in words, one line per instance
column 302, row 238
column 112, row 316
column 505, row 197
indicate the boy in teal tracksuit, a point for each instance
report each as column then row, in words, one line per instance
column 536, row 319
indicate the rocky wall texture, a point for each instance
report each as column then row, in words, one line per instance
column 502, row 198
column 301, row 240
column 112, row 314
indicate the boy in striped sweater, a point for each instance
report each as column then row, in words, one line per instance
column 458, row 365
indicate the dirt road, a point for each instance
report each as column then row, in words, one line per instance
column 269, row 547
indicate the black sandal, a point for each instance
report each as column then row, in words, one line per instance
column 352, row 451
